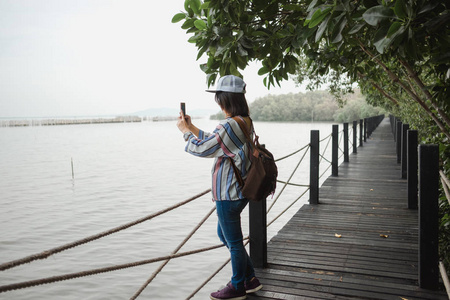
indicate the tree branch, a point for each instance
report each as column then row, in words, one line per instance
column 423, row 88
column 380, row 89
column 396, row 80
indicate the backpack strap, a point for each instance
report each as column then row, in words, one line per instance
column 237, row 173
column 249, row 139
column 244, row 129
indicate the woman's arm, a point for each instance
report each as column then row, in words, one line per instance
column 194, row 130
column 184, row 124
column 223, row 141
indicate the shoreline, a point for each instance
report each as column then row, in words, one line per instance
column 83, row 121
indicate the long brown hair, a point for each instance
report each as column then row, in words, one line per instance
column 233, row 103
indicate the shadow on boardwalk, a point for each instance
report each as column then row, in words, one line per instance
column 360, row 242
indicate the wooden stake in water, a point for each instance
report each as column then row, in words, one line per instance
column 71, row 161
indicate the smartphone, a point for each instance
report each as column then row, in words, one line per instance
column 183, row 107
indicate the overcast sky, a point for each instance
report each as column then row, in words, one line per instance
column 96, row 57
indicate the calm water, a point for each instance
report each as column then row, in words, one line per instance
column 122, row 172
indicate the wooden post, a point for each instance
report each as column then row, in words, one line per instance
column 314, row 168
column 394, row 128
column 346, row 159
column 366, row 123
column 412, row 176
column 361, row 130
column 428, row 216
column 334, row 151
column 354, row 137
column 391, row 120
column 258, row 233
column 404, row 152
column 398, row 136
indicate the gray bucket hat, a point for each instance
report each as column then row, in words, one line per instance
column 231, row 84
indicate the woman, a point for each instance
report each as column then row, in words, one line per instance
column 225, row 143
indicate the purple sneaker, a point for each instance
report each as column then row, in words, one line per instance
column 253, row 285
column 228, row 292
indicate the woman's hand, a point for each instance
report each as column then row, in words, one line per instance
column 184, row 123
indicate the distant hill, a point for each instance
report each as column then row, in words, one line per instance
column 165, row 112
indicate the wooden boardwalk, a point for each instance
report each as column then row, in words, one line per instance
column 360, row 242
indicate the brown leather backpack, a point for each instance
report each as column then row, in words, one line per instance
column 261, row 179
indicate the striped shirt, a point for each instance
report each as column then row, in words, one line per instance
column 225, row 142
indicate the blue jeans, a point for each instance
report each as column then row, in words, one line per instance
column 230, row 233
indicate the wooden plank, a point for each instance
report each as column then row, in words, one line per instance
column 376, row 255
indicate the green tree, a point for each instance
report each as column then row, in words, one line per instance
column 356, row 108
column 310, row 106
column 397, row 51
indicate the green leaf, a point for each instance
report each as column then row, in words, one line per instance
column 399, row 9
column 178, row 17
column 370, row 3
column 394, row 29
column 195, row 5
column 241, row 51
column 241, row 62
column 312, row 5
column 188, row 8
column 263, row 70
column 202, row 51
column 200, row 24
column 321, row 29
column 246, row 42
column 204, row 67
column 188, row 24
column 318, row 17
column 194, row 38
column 428, row 7
column 211, row 78
column 294, row 7
column 381, row 42
column 222, row 48
column 259, row 33
column 373, row 16
column 411, row 45
column 356, row 28
column 336, row 37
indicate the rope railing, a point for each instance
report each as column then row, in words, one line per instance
column 322, row 156
column 273, row 203
column 324, row 172
column 341, row 141
column 289, row 179
column 293, row 184
column 350, row 134
column 289, row 183
column 293, row 153
column 164, row 259
column 210, row 277
column 91, row 238
column 328, row 136
column 445, row 184
column 175, row 253
column 214, row 273
column 188, row 237
column 295, row 201
column 52, row 279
